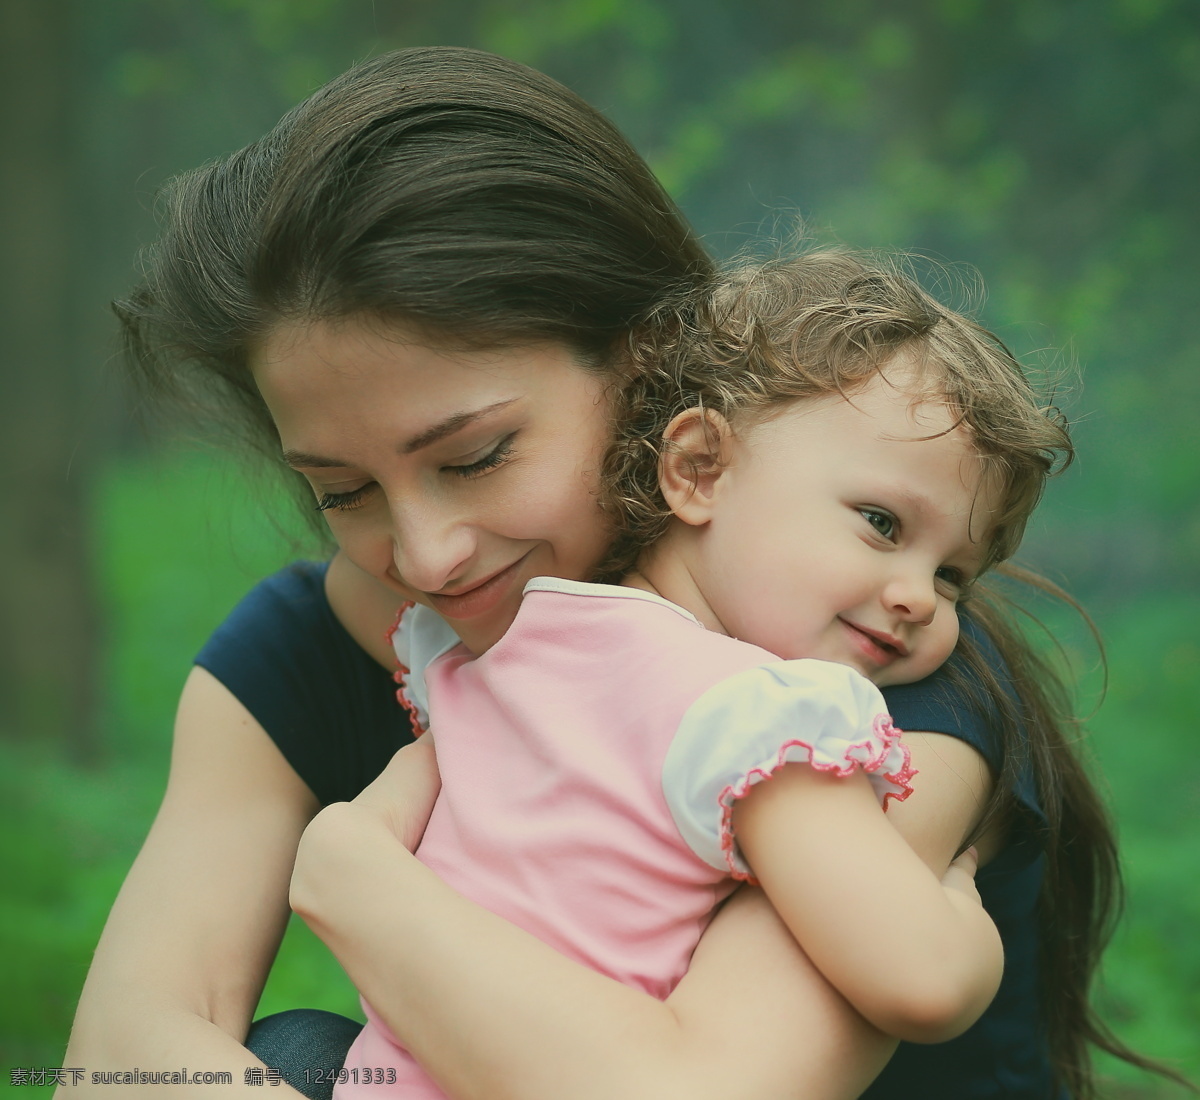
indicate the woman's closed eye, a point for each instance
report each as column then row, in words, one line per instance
column 353, row 498
column 497, row 456
column 882, row 522
column 343, row 502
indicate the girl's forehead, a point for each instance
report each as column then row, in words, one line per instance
column 906, row 388
column 895, row 403
column 887, row 438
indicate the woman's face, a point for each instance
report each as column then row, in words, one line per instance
column 451, row 477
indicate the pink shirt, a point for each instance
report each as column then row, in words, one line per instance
column 590, row 761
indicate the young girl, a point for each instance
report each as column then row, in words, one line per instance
column 832, row 490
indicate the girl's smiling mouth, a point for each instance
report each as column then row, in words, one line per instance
column 877, row 646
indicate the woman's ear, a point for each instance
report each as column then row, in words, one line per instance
column 696, row 452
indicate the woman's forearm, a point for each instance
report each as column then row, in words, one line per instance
column 187, row 947
column 135, row 1030
column 492, row 1012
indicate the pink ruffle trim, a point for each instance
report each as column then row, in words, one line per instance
column 401, row 673
column 870, row 755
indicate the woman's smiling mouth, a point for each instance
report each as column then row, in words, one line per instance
column 480, row 598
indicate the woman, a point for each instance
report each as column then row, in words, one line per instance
column 438, row 254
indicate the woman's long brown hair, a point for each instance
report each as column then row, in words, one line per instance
column 1082, row 893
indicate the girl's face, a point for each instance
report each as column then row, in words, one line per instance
column 841, row 529
column 452, row 478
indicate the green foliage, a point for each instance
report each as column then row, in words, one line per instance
column 1143, row 737
column 182, row 537
column 63, row 853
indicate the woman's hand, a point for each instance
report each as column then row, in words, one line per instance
column 394, row 808
column 404, row 792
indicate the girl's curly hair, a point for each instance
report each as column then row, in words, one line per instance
column 821, row 323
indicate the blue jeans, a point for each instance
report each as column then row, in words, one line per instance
column 307, row 1044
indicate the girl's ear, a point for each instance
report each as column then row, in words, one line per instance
column 697, row 447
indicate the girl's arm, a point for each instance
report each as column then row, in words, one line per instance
column 493, row 1013
column 186, row 949
column 919, row 958
column 511, row 1018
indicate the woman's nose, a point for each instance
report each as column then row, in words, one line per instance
column 912, row 596
column 431, row 550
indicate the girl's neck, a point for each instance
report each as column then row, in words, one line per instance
column 665, row 569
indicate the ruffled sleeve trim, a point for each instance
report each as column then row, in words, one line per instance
column 882, row 755
column 745, row 728
column 418, row 637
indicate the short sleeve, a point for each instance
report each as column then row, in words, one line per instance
column 953, row 702
column 419, row 637
column 325, row 702
column 744, row 729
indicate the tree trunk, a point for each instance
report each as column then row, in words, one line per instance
column 48, row 644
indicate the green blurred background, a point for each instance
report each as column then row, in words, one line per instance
column 1054, row 145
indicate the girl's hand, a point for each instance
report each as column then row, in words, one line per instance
column 403, row 794
column 950, row 965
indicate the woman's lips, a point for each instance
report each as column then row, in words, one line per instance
column 478, row 600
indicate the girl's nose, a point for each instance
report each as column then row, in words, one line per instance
column 912, row 597
column 430, row 550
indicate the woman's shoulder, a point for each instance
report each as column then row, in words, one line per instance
column 305, row 609
column 285, row 616
column 955, row 702
column 945, row 701
column 327, row 703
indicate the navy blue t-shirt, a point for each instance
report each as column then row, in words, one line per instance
column 332, row 711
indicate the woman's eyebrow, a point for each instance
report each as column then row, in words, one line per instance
column 302, row 460
column 453, row 423
column 449, row 426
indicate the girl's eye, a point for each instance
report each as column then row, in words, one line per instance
column 884, row 523
column 954, row 580
column 497, row 456
column 343, row 502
